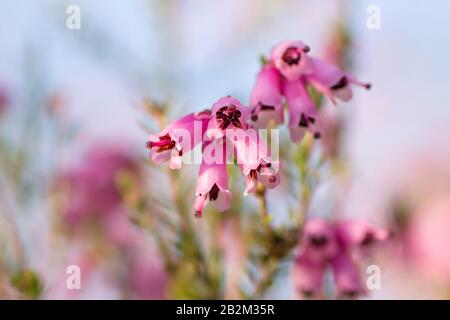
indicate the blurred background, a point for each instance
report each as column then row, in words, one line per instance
column 76, row 107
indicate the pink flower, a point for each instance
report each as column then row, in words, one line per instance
column 254, row 159
column 332, row 81
column 227, row 114
column 291, row 59
column 337, row 244
column 212, row 182
column 302, row 111
column 359, row 235
column 92, row 185
column 289, row 73
column 266, row 98
column 319, row 240
column 178, row 138
column 226, row 122
column 308, row 277
column 347, row 277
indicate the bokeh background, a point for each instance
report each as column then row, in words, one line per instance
column 71, row 95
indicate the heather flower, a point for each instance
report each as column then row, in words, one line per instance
column 93, row 204
column 347, row 276
column 212, row 182
column 227, row 114
column 319, row 240
column 359, row 235
column 92, row 185
column 339, row 245
column 266, row 98
column 226, row 125
column 308, row 277
column 288, row 73
column 331, row 81
column 178, row 138
column 291, row 59
column 255, row 162
column 302, row 111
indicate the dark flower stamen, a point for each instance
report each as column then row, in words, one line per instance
column 318, row 240
column 165, row 143
column 349, row 294
column 229, row 115
column 307, row 293
column 342, row 83
column 368, row 239
column 303, row 121
column 266, row 107
column 214, row 193
column 291, row 56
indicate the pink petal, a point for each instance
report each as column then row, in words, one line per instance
column 347, row 277
column 266, row 98
column 303, row 114
column 319, row 240
column 308, row 277
column 291, row 72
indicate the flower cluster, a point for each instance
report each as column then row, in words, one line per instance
column 221, row 129
column 288, row 73
column 342, row 245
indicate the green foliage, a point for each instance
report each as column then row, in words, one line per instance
column 28, row 283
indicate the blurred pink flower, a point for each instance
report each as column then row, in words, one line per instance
column 331, row 81
column 341, row 245
column 360, row 236
column 94, row 198
column 178, row 138
column 308, row 277
column 347, row 276
column 319, row 240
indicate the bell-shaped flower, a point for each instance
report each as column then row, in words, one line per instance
column 360, row 235
column 254, row 159
column 333, row 82
column 303, row 114
column 266, row 98
column 318, row 240
column 291, row 59
column 212, row 181
column 178, row 138
column 227, row 114
column 347, row 276
column 308, row 277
